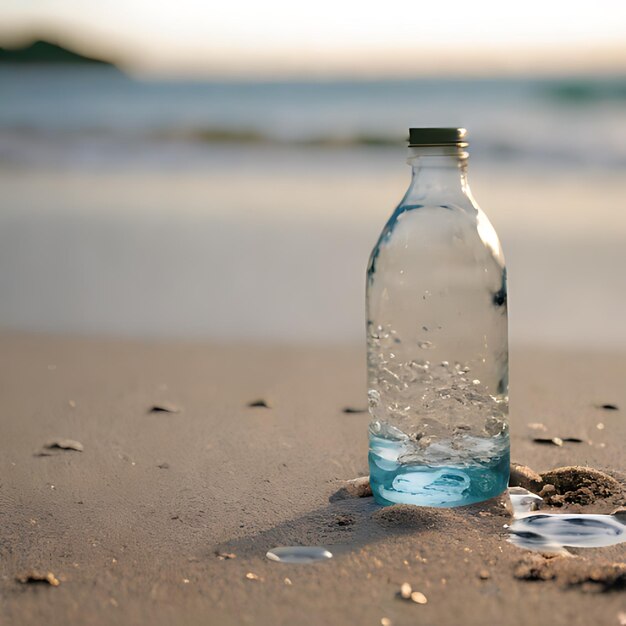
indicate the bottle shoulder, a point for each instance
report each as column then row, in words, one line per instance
column 456, row 222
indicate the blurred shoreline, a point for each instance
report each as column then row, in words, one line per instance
column 275, row 251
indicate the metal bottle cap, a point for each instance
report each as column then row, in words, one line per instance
column 437, row 137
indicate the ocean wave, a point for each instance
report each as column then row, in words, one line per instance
column 585, row 92
column 24, row 146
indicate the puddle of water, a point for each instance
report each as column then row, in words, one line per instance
column 298, row 554
column 524, row 501
column 552, row 532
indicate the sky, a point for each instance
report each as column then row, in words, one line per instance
column 333, row 37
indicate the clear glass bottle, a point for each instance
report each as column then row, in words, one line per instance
column 437, row 339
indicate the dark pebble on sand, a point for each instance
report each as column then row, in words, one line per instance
column 557, row 441
column 36, row 577
column 164, row 408
column 259, row 403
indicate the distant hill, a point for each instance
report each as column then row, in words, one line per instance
column 44, row 52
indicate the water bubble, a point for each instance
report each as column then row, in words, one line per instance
column 373, row 398
column 298, row 554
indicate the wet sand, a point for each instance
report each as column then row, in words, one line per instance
column 131, row 525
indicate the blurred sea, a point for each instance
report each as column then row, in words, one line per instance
column 247, row 210
column 84, row 116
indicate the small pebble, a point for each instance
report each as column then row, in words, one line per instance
column 385, row 621
column 523, row 476
column 224, row 556
column 65, row 444
column 484, row 574
column 600, row 426
column 259, row 403
column 418, row 597
column 35, row 576
column 165, row 407
column 252, row 576
column 547, row 490
column 405, row 591
column 556, row 441
column 288, row 582
column 354, row 488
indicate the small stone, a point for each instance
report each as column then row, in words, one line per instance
column 35, row 576
column 621, row 618
column 609, row 407
column 64, row 444
column 523, row 476
column 163, row 465
column 260, row 403
column 547, row 491
column 419, row 598
column 186, row 581
column 405, row 591
column 555, row 441
column 225, row 556
column 484, row 574
column 354, row 488
column 600, row 426
column 537, row 426
column 72, row 404
column 252, row 576
column 385, row 621
column 288, row 582
column 164, row 407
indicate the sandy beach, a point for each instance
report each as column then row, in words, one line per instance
column 132, row 525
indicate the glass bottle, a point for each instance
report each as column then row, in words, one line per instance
column 437, row 339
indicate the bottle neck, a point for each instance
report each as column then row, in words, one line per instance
column 439, row 174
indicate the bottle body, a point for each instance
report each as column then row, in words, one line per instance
column 437, row 345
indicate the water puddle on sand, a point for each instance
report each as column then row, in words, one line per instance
column 553, row 532
column 298, row 554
